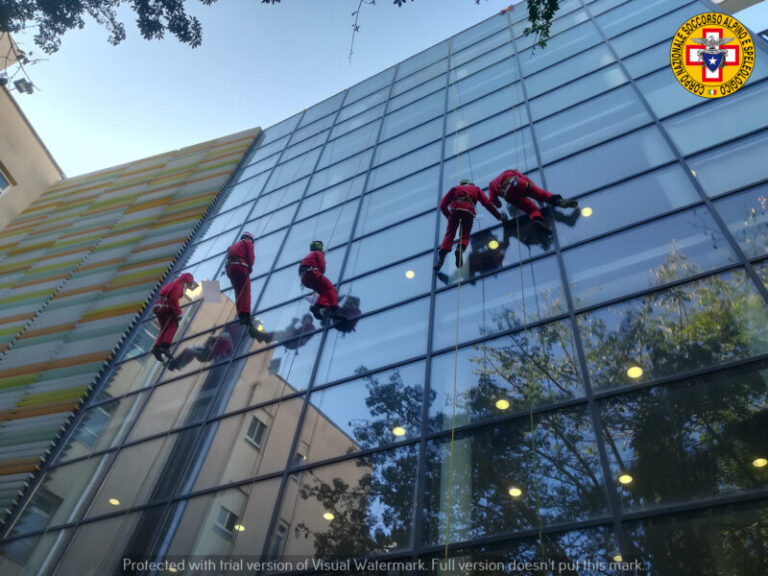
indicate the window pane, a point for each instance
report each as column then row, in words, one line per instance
column 503, row 52
column 258, row 167
column 402, row 281
column 378, row 340
column 312, row 129
column 559, row 48
column 272, row 221
column 323, row 108
column 661, row 91
column 740, row 157
column 224, row 221
column 663, row 251
column 331, row 197
column 685, row 129
column 391, row 245
column 693, row 326
column 478, row 32
column 481, row 109
column 629, row 155
column 398, row 201
column 279, row 198
column 533, row 367
column 419, row 92
column 484, row 163
column 655, row 32
column 569, row 70
column 716, row 541
column 305, row 146
column 370, row 85
column 482, row 83
column 631, row 14
column 483, row 45
column 349, row 144
column 372, row 498
column 711, row 424
column 404, row 165
column 268, row 247
column 357, row 121
column 495, row 303
column 416, row 138
column 422, row 59
column 243, row 192
column 293, row 169
column 278, row 130
column 586, row 124
column 339, row 172
column 625, row 203
column 746, row 218
column 332, row 227
column 648, row 60
column 438, row 68
column 413, row 115
column 578, row 90
column 215, row 245
column 262, row 151
column 552, row 461
column 377, row 410
column 362, row 105
column 285, row 284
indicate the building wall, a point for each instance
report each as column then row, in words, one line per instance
column 76, row 268
column 24, row 159
column 596, row 396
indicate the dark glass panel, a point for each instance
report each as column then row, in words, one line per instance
column 373, row 411
column 499, row 302
column 354, row 508
column 693, row 440
column 395, row 202
column 550, row 458
column 532, row 367
column 654, row 254
column 611, row 208
column 378, row 340
column 746, row 217
column 697, row 325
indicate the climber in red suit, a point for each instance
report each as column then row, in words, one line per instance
column 459, row 207
column 168, row 313
column 311, row 270
column 216, row 349
column 516, row 188
column 239, row 266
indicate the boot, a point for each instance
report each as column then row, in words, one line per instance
column 440, row 259
column 460, row 256
column 316, row 311
column 245, row 318
column 541, row 226
column 560, row 202
column 166, row 349
column 158, row 354
column 336, row 312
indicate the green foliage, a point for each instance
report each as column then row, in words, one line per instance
column 540, row 15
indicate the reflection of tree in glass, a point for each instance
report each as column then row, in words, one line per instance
column 694, row 325
column 373, row 513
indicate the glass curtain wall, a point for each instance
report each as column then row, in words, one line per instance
column 598, row 396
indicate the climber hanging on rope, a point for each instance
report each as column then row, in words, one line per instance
column 311, row 272
column 169, row 313
column 458, row 206
column 515, row 187
column 215, row 349
column 239, row 266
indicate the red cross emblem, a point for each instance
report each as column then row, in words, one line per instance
column 730, row 55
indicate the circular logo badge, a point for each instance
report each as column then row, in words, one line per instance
column 712, row 55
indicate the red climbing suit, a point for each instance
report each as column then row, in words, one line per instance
column 459, row 207
column 311, row 270
column 239, row 266
column 167, row 308
column 215, row 349
column 515, row 187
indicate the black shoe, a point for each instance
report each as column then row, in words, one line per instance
column 158, row 354
column 166, row 349
column 316, row 311
column 171, row 365
column 440, row 259
column 336, row 312
column 245, row 319
column 567, row 203
column 541, row 226
column 459, row 256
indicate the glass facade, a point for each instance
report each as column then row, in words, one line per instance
column 598, row 398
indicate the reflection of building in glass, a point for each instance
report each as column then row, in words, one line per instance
column 608, row 387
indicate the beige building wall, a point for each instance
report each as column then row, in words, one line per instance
column 24, row 160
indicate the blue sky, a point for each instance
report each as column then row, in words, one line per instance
column 97, row 105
